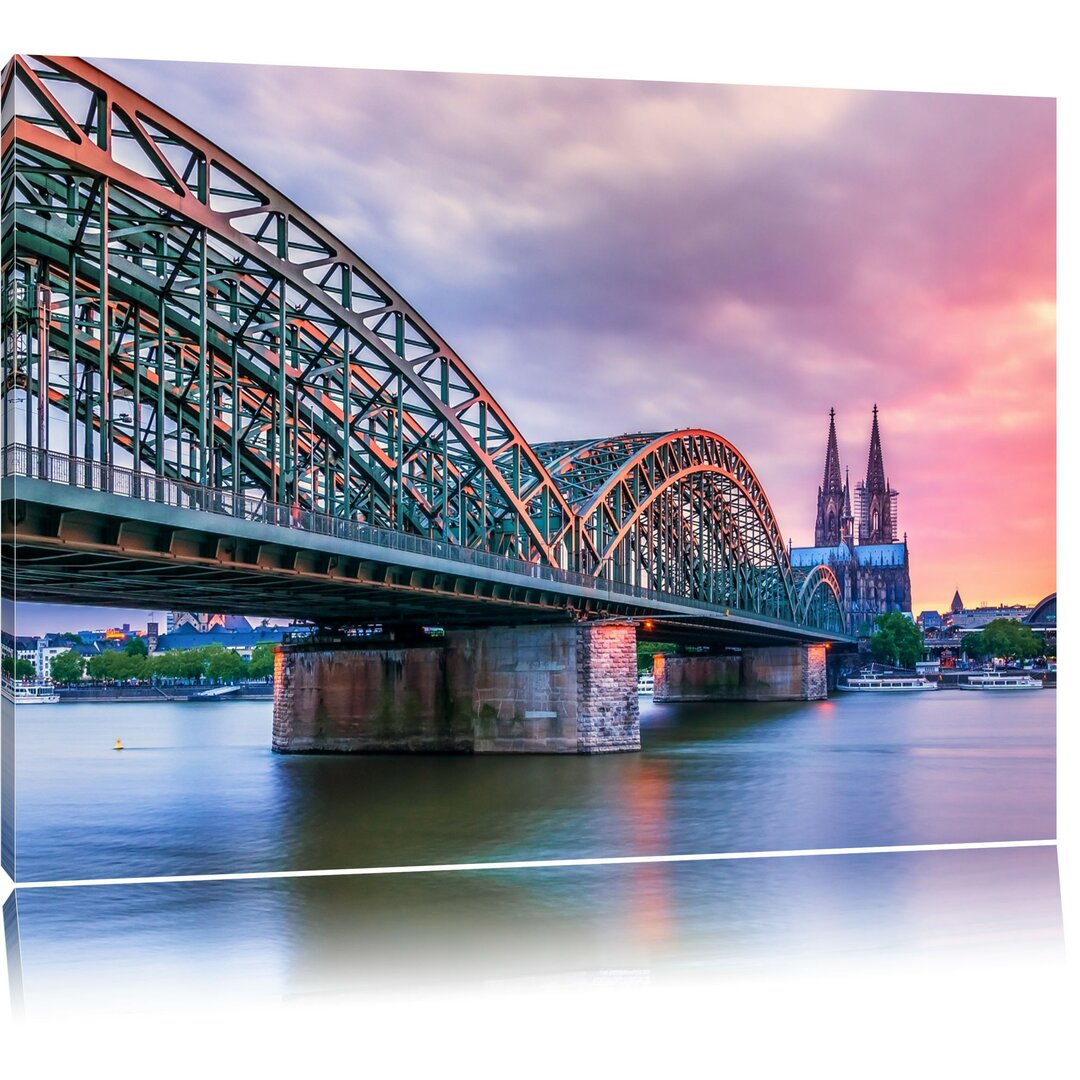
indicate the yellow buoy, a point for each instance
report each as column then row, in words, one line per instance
column 119, row 745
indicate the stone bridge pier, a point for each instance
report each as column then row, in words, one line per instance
column 773, row 673
column 521, row 690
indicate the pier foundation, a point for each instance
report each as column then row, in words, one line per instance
column 774, row 673
column 519, row 690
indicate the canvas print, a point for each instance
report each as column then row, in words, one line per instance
column 405, row 468
column 348, row 943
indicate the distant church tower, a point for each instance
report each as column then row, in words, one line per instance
column 877, row 501
column 833, row 502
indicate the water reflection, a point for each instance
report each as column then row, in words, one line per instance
column 200, row 792
column 167, row 945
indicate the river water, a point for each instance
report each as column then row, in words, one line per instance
column 198, row 790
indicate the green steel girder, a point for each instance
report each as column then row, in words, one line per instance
column 683, row 512
column 169, row 314
column 820, row 601
column 347, row 383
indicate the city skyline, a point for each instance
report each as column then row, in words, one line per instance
column 773, row 252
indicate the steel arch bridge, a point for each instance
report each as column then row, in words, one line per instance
column 170, row 316
column 682, row 512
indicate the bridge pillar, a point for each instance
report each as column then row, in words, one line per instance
column 523, row 690
column 774, row 673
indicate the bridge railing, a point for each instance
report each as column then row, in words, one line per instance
column 58, row 468
column 17, row 459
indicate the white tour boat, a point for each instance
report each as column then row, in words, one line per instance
column 645, row 685
column 879, row 683
column 1001, row 681
column 30, row 693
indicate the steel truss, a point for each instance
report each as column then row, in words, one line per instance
column 196, row 324
column 683, row 512
column 168, row 312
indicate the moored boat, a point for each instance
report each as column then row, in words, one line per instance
column 871, row 682
column 1001, row 681
column 645, row 685
column 29, row 693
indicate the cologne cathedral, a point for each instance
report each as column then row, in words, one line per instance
column 861, row 548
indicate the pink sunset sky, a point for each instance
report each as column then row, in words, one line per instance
column 615, row 256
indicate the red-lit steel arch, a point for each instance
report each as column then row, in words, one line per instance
column 172, row 314
column 684, row 512
column 201, row 326
column 819, row 601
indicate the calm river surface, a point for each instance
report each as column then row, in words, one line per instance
column 197, row 789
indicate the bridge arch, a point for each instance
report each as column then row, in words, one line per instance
column 197, row 324
column 820, row 600
column 683, row 512
column 175, row 315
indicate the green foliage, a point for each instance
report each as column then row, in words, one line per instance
column 191, row 663
column 646, row 650
column 896, row 640
column 1007, row 638
column 179, row 664
column 116, row 666
column 223, row 665
column 261, row 664
column 67, row 668
column 213, row 662
column 158, row 665
column 136, row 646
column 18, row 669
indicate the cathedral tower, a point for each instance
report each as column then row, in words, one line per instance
column 832, row 498
column 877, row 501
column 847, row 522
column 871, row 567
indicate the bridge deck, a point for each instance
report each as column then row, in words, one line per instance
column 170, row 544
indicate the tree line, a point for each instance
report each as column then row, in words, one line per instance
column 212, row 662
column 897, row 640
column 17, row 668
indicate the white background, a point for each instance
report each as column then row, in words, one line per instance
column 977, row 1022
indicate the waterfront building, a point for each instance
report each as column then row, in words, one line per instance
column 870, row 563
column 17, row 645
column 1043, row 616
column 53, row 645
column 239, row 641
column 961, row 621
column 204, row 621
column 976, row 618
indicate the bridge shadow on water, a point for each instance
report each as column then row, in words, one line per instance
column 155, row 947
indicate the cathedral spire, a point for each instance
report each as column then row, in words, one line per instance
column 875, row 468
column 877, row 524
column 847, row 518
column 830, row 508
column 832, row 458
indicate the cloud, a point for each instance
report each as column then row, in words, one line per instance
column 612, row 256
